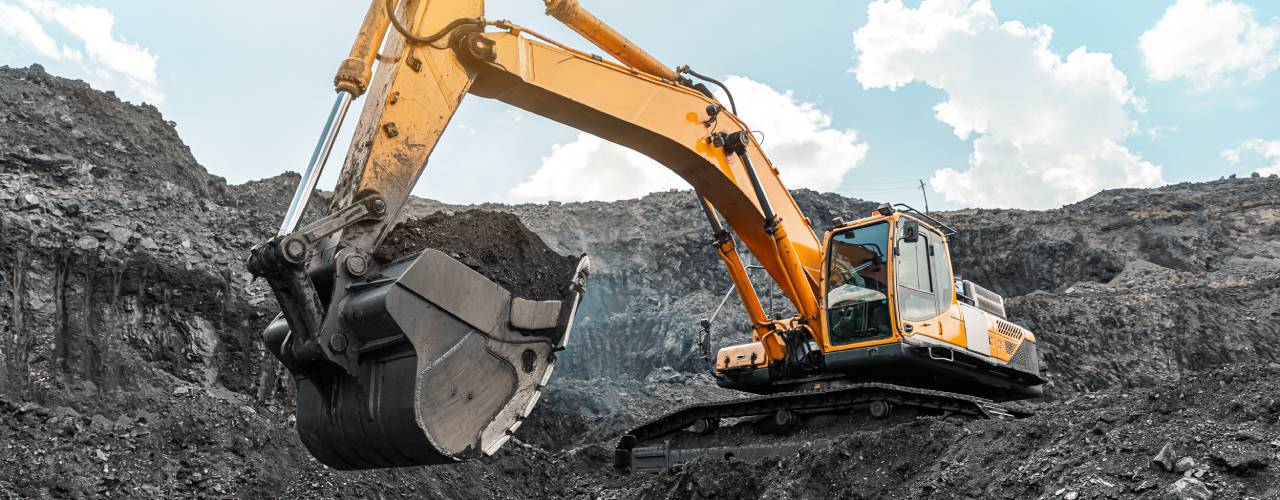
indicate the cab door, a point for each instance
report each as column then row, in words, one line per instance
column 914, row 274
column 922, row 274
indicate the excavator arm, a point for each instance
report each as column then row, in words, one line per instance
column 425, row 361
column 644, row 107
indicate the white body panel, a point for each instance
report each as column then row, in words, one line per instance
column 976, row 328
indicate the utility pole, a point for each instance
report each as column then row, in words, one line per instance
column 926, row 196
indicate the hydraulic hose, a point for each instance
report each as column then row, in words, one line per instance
column 410, row 36
column 686, row 69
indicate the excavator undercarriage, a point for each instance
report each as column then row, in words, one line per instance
column 873, row 383
column 779, row 424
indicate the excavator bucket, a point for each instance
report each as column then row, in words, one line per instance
column 449, row 365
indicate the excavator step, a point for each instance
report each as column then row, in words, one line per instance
column 630, row 456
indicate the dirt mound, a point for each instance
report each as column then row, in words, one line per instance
column 1197, row 228
column 195, row 442
column 54, row 123
column 495, row 244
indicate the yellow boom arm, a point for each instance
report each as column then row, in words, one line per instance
column 642, row 105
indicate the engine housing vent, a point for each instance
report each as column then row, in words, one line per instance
column 973, row 294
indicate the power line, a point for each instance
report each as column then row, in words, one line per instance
column 907, row 189
column 883, row 183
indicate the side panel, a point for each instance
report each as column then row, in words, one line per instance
column 977, row 329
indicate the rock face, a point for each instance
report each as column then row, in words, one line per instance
column 122, row 256
column 130, row 363
column 65, row 126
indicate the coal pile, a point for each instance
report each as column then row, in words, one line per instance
column 130, row 362
column 494, row 244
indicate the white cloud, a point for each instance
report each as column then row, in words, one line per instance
column 1049, row 130
column 18, row 23
column 798, row 138
column 110, row 57
column 590, row 168
column 1269, row 151
column 1211, row 43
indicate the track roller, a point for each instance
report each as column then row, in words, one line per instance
column 880, row 409
column 705, row 426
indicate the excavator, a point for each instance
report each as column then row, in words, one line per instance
column 422, row 360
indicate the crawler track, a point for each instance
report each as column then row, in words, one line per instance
column 630, row 456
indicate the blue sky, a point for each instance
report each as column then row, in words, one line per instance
column 249, row 84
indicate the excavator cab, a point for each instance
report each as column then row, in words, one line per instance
column 893, row 312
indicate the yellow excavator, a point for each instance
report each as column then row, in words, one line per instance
column 424, row 361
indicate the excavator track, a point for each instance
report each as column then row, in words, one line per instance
column 630, row 456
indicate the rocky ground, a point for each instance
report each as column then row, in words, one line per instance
column 130, row 364
column 1214, row 432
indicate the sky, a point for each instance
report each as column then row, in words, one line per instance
column 999, row 103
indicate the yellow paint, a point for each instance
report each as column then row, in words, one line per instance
column 354, row 72
column 608, row 39
column 741, row 356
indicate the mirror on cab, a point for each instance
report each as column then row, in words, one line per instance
column 910, row 231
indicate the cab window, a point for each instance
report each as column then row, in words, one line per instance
column 914, row 272
column 857, row 285
column 941, row 265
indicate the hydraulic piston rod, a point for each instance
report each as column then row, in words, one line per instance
column 351, row 81
column 315, row 167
